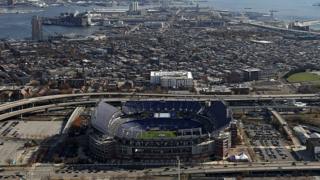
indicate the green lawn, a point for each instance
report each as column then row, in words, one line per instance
column 303, row 77
column 157, row 134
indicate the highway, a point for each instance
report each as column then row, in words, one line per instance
column 37, row 108
column 92, row 102
column 143, row 95
column 242, row 168
column 38, row 171
column 136, row 27
column 84, row 99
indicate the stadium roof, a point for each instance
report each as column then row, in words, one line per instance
column 103, row 114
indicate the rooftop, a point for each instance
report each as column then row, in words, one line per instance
column 172, row 74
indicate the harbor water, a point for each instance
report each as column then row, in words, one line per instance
column 18, row 25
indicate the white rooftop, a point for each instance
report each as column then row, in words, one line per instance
column 172, row 74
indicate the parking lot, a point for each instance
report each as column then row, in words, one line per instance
column 10, row 151
column 30, row 129
column 267, row 143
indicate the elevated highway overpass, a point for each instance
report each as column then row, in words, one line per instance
column 247, row 169
column 276, row 167
column 11, row 109
column 112, row 100
column 62, row 97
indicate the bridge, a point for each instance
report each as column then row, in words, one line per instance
column 283, row 30
column 12, row 109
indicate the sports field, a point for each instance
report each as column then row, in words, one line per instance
column 157, row 134
column 304, row 77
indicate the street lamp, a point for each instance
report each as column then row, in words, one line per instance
column 178, row 159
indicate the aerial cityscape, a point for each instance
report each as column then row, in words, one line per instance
column 159, row 89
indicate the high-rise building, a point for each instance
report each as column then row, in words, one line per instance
column 234, row 133
column 222, row 144
column 36, row 28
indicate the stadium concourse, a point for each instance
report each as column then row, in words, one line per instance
column 156, row 132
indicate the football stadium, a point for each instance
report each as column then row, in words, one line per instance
column 157, row 131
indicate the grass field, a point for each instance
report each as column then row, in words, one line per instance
column 303, row 77
column 157, row 134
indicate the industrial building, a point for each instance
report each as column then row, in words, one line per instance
column 154, row 132
column 172, row 79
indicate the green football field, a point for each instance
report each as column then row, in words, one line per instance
column 157, row 134
column 303, row 77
